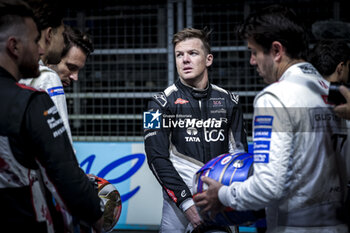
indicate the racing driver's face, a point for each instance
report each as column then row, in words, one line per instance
column 70, row 65
column 263, row 61
column 192, row 61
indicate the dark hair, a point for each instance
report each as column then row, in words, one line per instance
column 328, row 53
column 48, row 13
column 75, row 37
column 13, row 11
column 188, row 33
column 276, row 23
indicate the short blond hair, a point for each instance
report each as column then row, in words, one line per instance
column 188, row 33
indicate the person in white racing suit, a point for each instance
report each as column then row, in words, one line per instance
column 299, row 172
column 201, row 121
column 51, row 83
column 49, row 20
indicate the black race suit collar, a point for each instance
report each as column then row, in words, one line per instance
column 196, row 93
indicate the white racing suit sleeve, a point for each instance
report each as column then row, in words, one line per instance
column 186, row 204
column 272, row 147
column 50, row 82
column 53, row 86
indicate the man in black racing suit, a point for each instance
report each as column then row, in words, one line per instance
column 189, row 123
column 37, row 161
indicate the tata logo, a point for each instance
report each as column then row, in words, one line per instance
column 192, row 139
column 192, row 131
column 139, row 158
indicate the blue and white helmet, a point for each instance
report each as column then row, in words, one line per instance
column 227, row 168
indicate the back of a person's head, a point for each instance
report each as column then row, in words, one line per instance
column 75, row 37
column 276, row 23
column 328, row 53
column 13, row 12
column 48, row 13
column 189, row 33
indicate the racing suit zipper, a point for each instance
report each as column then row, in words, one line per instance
column 205, row 145
column 202, row 131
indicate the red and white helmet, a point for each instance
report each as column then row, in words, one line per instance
column 111, row 200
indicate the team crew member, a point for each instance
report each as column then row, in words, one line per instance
column 299, row 173
column 37, row 161
column 199, row 122
column 49, row 18
column 331, row 58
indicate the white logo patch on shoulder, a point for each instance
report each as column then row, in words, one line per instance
column 161, row 99
column 234, row 98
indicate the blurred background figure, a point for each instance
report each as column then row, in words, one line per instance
column 331, row 58
column 49, row 18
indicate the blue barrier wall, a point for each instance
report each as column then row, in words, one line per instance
column 125, row 165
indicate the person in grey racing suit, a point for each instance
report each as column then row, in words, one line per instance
column 299, row 169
